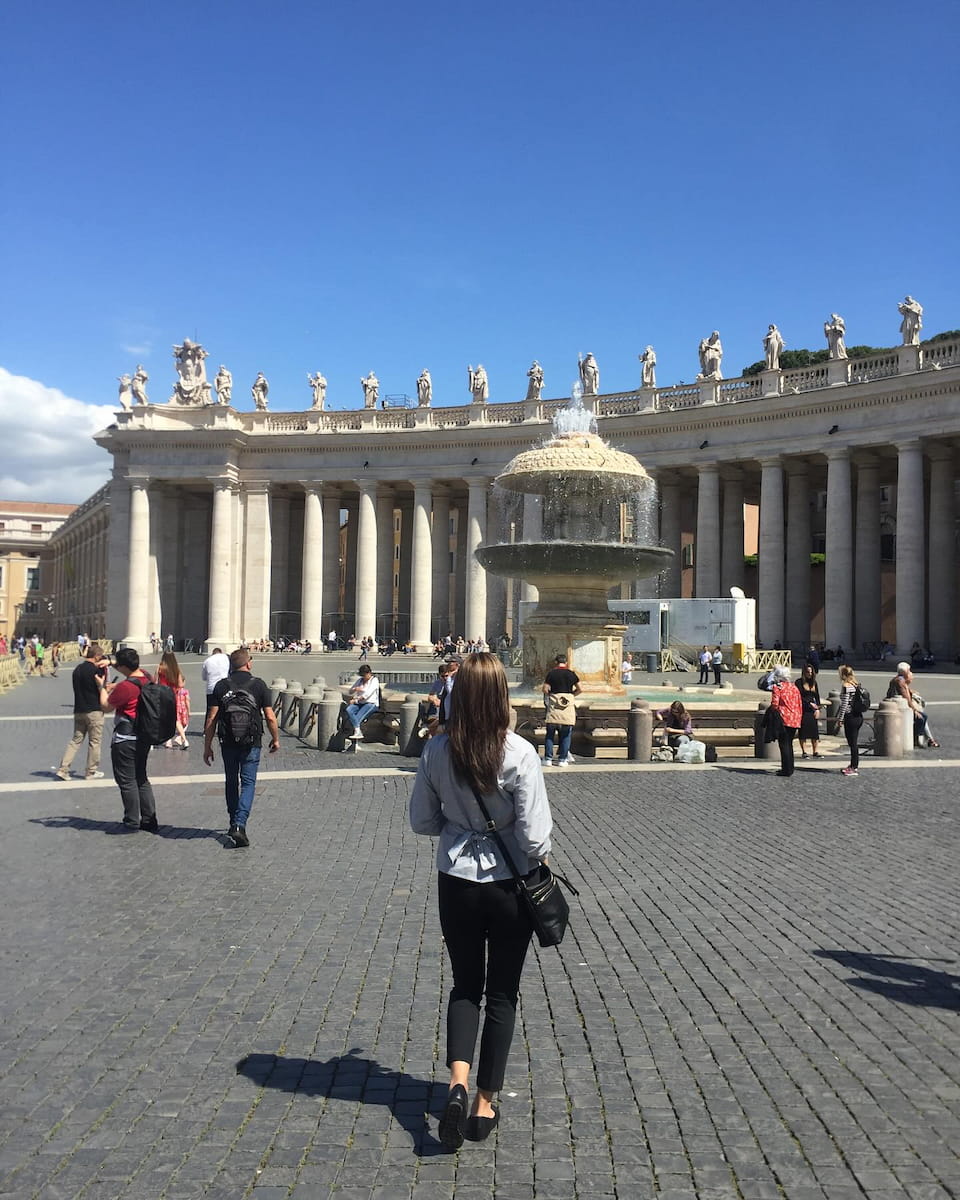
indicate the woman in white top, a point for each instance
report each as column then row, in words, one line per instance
column 485, row 928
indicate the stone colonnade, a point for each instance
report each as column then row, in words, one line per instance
column 920, row 478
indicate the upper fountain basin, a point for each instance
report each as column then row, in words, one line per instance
column 572, row 456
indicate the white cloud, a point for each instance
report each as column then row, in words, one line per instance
column 138, row 351
column 50, row 454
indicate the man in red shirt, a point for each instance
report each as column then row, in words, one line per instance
column 128, row 753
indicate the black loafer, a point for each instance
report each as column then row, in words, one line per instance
column 479, row 1128
column 454, row 1116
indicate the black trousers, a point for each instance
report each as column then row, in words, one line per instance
column 129, row 761
column 851, row 731
column 487, row 935
column 785, row 742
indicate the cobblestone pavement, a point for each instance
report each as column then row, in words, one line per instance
column 759, row 996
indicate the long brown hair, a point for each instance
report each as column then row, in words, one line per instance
column 169, row 670
column 478, row 720
column 847, row 676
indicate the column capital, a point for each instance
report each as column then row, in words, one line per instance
column 474, row 484
column 772, row 460
column 222, row 484
column 257, row 487
column 836, row 453
column 310, row 489
column 708, row 468
column 909, row 445
column 368, row 487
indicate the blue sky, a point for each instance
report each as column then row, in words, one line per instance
column 355, row 187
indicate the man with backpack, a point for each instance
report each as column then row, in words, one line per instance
column 132, row 739
column 239, row 706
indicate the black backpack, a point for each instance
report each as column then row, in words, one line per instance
column 156, row 719
column 239, row 721
column 860, row 701
column 765, row 683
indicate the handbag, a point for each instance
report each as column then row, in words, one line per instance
column 539, row 892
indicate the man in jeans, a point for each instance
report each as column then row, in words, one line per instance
column 128, row 751
column 87, row 679
column 240, row 761
column 559, row 688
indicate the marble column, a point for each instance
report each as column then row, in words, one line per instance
column 866, row 573
column 421, row 578
column 460, row 572
column 910, row 547
column 475, row 612
column 221, row 564
column 404, row 564
column 532, row 532
column 707, row 549
column 838, row 578
column 280, row 566
column 731, row 548
column 670, row 531
column 942, row 553
column 440, row 540
column 138, row 551
column 367, row 560
column 257, row 553
column 770, row 560
column 797, row 597
column 348, row 550
column 386, row 612
column 311, row 601
column 331, row 563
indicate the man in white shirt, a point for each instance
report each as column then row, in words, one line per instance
column 366, row 699
column 214, row 668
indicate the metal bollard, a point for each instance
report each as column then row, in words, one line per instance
column 888, row 729
column 307, row 725
column 639, row 731
column 408, row 744
column 328, row 721
column 762, row 749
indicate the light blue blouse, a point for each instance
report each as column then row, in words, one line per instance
column 441, row 804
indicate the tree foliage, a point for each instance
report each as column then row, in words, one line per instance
column 793, row 360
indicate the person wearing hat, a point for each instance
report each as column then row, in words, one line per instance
column 365, row 695
column 786, row 700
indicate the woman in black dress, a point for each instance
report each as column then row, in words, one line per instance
column 810, row 697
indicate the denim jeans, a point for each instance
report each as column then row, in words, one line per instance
column 358, row 713
column 564, row 732
column 240, row 765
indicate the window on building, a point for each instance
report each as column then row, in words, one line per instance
column 452, row 525
column 450, row 568
column 396, row 579
column 819, row 543
column 821, row 501
column 884, row 495
column 33, row 579
column 396, row 552
column 1, row 575
column 686, row 555
column 36, row 528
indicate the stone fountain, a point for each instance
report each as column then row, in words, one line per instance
column 586, row 487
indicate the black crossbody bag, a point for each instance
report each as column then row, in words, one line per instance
column 539, row 891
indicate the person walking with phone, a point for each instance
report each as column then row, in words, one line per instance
column 485, row 926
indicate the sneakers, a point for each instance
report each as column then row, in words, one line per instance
column 570, row 758
column 849, row 771
column 94, row 775
column 63, row 776
column 150, row 824
column 564, row 762
column 238, row 836
column 357, row 736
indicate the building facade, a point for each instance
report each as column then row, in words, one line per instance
column 27, row 587
column 220, row 525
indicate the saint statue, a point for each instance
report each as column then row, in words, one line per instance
column 125, row 397
column 772, row 345
column 259, row 391
column 912, row 314
column 479, row 384
column 589, row 375
column 319, row 386
column 424, row 388
column 648, row 360
column 535, row 386
column 139, row 385
column 836, row 330
column 711, row 355
column 371, row 390
column 224, row 385
column 192, row 386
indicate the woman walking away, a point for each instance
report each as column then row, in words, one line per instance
column 785, row 699
column 484, row 925
column 169, row 674
column 810, row 700
column 851, row 714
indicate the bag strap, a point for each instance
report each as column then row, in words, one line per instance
column 492, row 828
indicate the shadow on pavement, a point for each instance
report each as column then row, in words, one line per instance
column 89, row 825
column 363, row 1080
column 898, row 979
